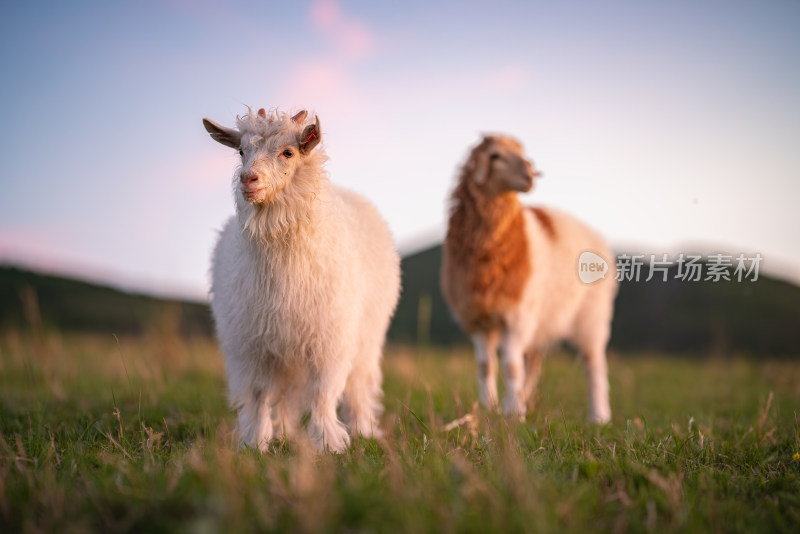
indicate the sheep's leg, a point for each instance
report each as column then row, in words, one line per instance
column 327, row 384
column 597, row 377
column 486, row 356
column 533, row 370
column 514, row 374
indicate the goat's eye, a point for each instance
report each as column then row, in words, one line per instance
column 241, row 152
column 287, row 153
column 494, row 156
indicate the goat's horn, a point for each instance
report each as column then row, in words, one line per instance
column 262, row 113
column 300, row 117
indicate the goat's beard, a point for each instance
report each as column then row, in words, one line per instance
column 285, row 210
column 265, row 194
column 257, row 197
column 274, row 220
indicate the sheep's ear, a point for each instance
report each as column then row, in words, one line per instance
column 226, row 136
column 310, row 137
column 479, row 165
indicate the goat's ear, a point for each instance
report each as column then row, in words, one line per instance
column 300, row 117
column 310, row 137
column 226, row 136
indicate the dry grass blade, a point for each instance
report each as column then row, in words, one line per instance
column 463, row 420
column 762, row 421
column 117, row 445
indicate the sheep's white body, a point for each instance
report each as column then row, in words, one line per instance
column 556, row 306
column 302, row 297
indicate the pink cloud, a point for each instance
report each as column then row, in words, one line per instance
column 313, row 80
column 352, row 39
column 358, row 41
column 326, row 14
column 328, row 77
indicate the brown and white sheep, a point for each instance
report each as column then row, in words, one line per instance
column 510, row 277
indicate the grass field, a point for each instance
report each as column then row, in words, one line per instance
column 133, row 435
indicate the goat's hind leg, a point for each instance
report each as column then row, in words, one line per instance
column 362, row 397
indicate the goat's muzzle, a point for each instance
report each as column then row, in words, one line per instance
column 248, row 178
column 252, row 190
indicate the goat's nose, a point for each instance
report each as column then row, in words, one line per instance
column 248, row 177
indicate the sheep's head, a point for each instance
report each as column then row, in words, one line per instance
column 273, row 148
column 498, row 165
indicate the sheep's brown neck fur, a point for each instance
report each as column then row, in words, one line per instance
column 545, row 222
column 487, row 253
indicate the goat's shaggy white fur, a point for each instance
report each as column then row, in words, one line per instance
column 305, row 279
column 510, row 276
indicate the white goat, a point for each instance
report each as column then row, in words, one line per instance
column 305, row 279
column 510, row 276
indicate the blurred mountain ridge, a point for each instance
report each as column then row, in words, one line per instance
column 702, row 318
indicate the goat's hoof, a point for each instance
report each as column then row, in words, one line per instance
column 331, row 436
column 367, row 429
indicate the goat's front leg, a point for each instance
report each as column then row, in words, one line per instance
column 486, row 357
column 327, row 383
column 255, row 422
column 513, row 355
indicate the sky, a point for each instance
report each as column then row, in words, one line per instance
column 668, row 126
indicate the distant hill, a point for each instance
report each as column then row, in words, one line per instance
column 698, row 318
column 702, row 318
column 70, row 305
